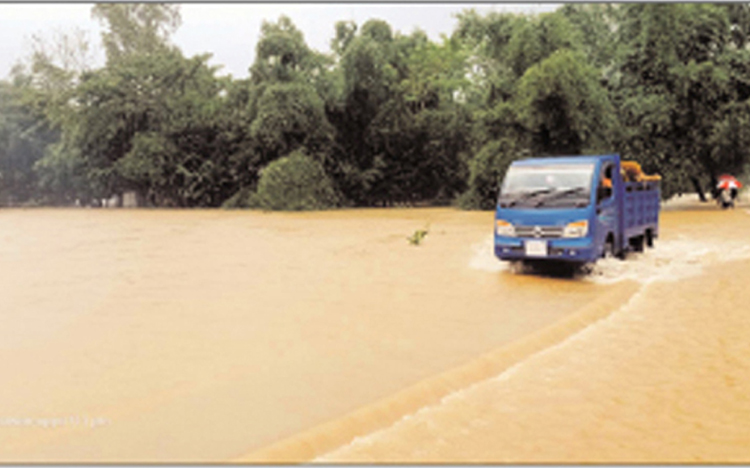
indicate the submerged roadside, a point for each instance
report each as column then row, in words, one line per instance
column 665, row 378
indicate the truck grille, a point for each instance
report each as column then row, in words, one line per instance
column 540, row 232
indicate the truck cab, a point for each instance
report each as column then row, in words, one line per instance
column 571, row 209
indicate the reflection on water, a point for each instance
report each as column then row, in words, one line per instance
column 665, row 378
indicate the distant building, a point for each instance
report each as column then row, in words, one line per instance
column 124, row 200
column 130, row 200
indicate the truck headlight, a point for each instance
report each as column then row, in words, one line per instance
column 576, row 229
column 504, row 228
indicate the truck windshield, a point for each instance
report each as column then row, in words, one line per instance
column 562, row 185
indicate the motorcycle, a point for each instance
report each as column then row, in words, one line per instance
column 727, row 197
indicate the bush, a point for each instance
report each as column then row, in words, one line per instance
column 292, row 183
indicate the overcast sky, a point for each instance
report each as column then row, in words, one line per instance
column 230, row 31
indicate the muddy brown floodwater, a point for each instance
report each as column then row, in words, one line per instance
column 664, row 378
column 204, row 336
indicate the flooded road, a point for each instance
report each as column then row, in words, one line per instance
column 188, row 336
column 204, row 336
column 664, row 378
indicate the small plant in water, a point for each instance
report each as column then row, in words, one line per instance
column 418, row 236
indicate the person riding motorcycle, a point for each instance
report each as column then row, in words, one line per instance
column 726, row 198
column 727, row 191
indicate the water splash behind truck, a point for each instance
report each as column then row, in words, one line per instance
column 575, row 209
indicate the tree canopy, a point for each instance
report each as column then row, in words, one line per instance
column 381, row 118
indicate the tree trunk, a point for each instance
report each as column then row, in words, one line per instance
column 698, row 189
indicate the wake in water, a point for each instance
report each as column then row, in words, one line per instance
column 631, row 387
column 429, row 423
column 669, row 260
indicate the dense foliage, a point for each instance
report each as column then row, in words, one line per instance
column 294, row 182
column 382, row 118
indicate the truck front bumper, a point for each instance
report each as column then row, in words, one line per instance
column 569, row 250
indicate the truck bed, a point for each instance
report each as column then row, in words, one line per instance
column 640, row 208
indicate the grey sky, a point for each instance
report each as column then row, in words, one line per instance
column 230, row 31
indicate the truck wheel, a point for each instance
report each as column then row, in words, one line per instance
column 649, row 239
column 637, row 243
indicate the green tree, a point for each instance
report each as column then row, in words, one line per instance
column 98, row 112
column 136, row 28
column 294, row 182
column 420, row 135
column 25, row 134
column 153, row 123
column 563, row 105
column 486, row 171
column 533, row 91
column 366, row 75
column 596, row 23
column 37, row 104
column 282, row 55
column 290, row 116
column 345, row 33
column 285, row 111
column 739, row 18
column 681, row 83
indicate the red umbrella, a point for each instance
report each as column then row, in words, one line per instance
column 728, row 182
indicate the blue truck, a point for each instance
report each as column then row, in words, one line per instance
column 575, row 209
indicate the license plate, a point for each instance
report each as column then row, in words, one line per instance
column 536, row 248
